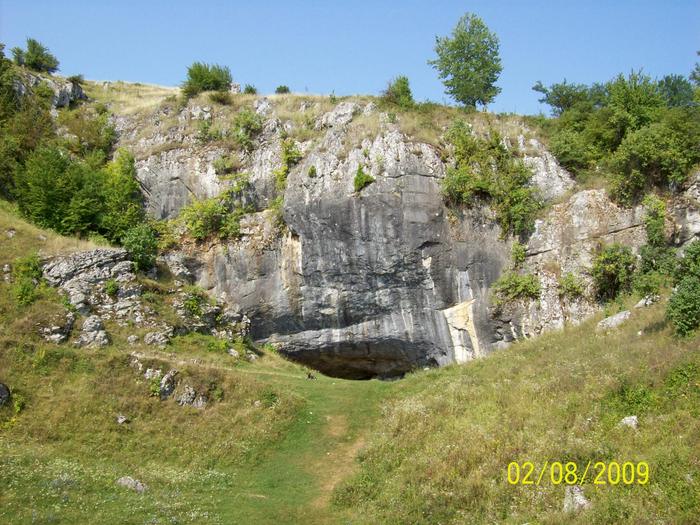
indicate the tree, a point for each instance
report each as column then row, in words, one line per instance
column 561, row 96
column 468, row 62
column 695, row 74
column 36, row 57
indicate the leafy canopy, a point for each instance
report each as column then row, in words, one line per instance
column 36, row 57
column 206, row 77
column 468, row 62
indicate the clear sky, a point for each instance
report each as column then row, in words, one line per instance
column 356, row 47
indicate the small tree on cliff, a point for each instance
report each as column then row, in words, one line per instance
column 468, row 62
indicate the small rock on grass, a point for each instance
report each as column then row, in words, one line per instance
column 629, row 421
column 131, row 483
column 574, row 499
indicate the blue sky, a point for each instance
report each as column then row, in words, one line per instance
column 356, row 47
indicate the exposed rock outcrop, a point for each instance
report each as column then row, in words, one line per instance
column 65, row 92
column 377, row 282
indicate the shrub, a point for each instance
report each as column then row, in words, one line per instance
column 290, row 157
column 684, row 306
column 398, row 92
column 655, row 220
column 78, row 80
column 312, row 171
column 518, row 253
column 193, row 303
column 282, row 90
column 36, row 57
column 612, row 271
column 653, row 155
column 246, row 125
column 648, row 284
column 111, row 287
column 203, row 218
column 689, row 264
column 485, row 169
column 26, row 273
column 221, row 97
column 142, row 244
column 570, row 286
column 512, row 286
column 362, row 179
column 249, row 89
column 206, row 77
column 224, row 165
column 207, row 133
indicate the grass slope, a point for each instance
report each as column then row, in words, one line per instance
column 449, row 435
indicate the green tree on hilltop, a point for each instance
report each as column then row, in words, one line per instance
column 468, row 62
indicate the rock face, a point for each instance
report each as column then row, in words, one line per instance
column 381, row 281
column 65, row 92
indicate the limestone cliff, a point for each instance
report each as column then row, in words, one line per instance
column 380, row 281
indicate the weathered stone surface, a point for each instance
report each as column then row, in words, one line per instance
column 64, row 91
column 4, row 394
column 168, row 384
column 342, row 114
column 133, row 484
column 122, row 419
column 160, row 339
column 93, row 334
column 187, row 396
column 59, row 329
column 548, row 176
column 613, row 321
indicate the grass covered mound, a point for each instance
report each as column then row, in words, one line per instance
column 448, row 436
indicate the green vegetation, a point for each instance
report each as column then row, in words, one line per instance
column 206, row 77
column 398, row 93
column 612, row 271
column 468, row 62
column 142, row 244
column 518, row 252
column 485, row 169
column 282, row 90
column 637, row 132
column 26, row 274
column 250, row 89
column 684, row 306
column 290, row 158
column 570, row 286
column 111, row 287
column 219, row 216
column 36, row 57
column 246, row 126
column 512, row 286
column 362, row 179
column 221, row 97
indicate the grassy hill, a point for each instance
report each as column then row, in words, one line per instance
column 280, row 448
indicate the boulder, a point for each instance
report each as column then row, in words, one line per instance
column 187, row 397
column 168, row 384
column 93, row 334
column 121, row 419
column 133, row 484
column 629, row 421
column 574, row 499
column 59, row 329
column 341, row 115
column 613, row 321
